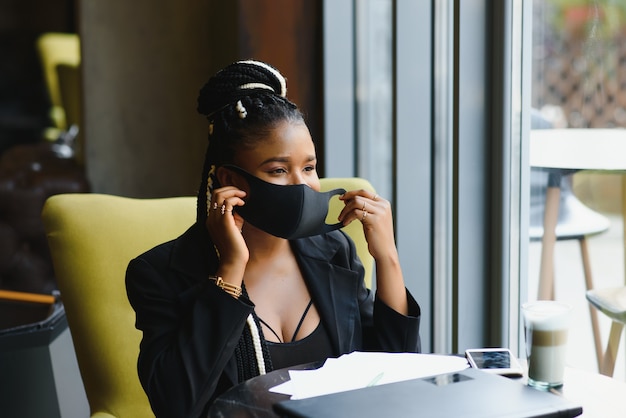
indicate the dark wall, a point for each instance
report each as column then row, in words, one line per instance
column 121, row 41
column 284, row 33
column 23, row 99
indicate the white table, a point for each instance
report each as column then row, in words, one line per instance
column 579, row 149
column 600, row 396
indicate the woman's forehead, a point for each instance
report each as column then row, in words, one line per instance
column 284, row 141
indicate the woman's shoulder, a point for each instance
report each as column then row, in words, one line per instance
column 158, row 252
column 169, row 265
column 165, row 251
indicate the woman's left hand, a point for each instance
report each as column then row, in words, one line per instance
column 375, row 215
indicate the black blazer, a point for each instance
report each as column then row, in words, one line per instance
column 191, row 327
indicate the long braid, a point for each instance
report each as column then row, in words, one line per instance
column 251, row 362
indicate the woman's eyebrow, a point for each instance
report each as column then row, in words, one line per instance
column 285, row 159
column 275, row 160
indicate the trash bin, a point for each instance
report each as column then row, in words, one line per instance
column 39, row 375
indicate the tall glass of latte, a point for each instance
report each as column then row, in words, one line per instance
column 546, row 325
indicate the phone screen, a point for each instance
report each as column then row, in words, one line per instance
column 492, row 359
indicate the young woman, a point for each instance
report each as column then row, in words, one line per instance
column 259, row 282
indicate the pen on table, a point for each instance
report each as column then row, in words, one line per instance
column 376, row 379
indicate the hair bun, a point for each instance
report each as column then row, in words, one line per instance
column 238, row 80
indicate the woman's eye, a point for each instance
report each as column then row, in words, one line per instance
column 309, row 168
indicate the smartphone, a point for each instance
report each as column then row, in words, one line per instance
column 494, row 360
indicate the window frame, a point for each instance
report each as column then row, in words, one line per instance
column 458, row 158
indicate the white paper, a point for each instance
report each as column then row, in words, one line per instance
column 361, row 369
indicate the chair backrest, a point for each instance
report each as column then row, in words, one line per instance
column 92, row 237
column 355, row 229
column 55, row 49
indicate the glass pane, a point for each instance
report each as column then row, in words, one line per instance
column 374, row 77
column 578, row 113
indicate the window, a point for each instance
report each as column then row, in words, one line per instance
column 430, row 150
column 378, row 112
column 578, row 77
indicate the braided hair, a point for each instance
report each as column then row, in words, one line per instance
column 242, row 103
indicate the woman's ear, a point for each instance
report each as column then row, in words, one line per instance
column 224, row 176
column 227, row 177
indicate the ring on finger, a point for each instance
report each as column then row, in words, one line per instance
column 223, row 209
column 363, row 208
column 375, row 198
column 364, row 216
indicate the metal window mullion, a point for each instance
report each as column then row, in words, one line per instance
column 443, row 163
column 339, row 88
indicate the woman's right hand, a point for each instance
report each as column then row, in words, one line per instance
column 225, row 226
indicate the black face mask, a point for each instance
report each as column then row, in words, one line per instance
column 290, row 211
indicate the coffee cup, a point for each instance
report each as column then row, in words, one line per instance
column 546, row 326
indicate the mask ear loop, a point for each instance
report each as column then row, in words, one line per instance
column 330, row 194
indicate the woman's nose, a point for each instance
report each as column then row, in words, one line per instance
column 298, row 178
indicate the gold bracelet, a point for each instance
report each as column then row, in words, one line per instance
column 231, row 289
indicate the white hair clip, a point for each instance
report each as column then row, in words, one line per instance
column 250, row 86
column 278, row 75
column 242, row 110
